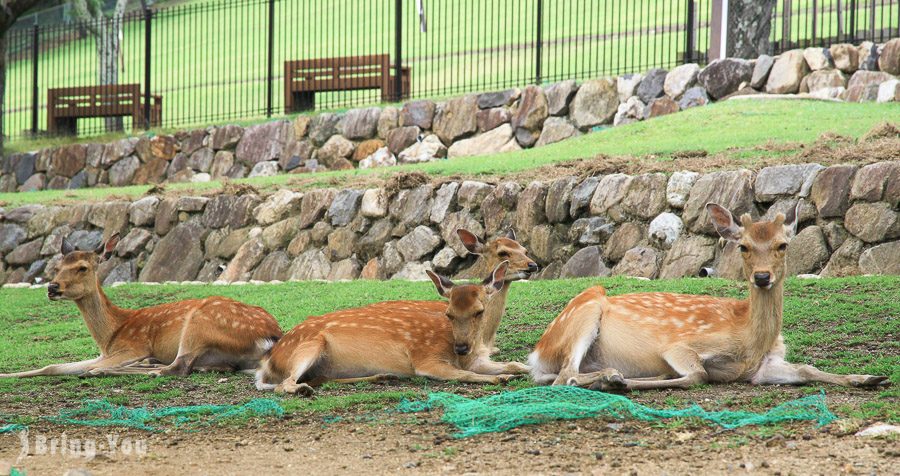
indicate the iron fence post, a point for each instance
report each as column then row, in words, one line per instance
column 271, row 61
column 35, row 46
column 148, row 36
column 539, row 42
column 689, row 33
column 853, row 29
column 398, row 53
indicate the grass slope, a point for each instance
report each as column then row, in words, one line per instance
column 840, row 325
column 730, row 128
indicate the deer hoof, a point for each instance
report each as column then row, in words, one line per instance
column 873, row 381
column 614, row 382
column 504, row 378
column 300, row 389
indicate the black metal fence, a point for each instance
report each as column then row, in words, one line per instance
column 807, row 23
column 240, row 60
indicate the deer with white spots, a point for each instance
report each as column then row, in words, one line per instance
column 216, row 333
column 660, row 340
column 439, row 340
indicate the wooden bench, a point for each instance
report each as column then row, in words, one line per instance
column 304, row 78
column 66, row 105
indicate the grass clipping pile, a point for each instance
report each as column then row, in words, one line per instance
column 508, row 410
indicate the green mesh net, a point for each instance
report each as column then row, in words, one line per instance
column 11, row 428
column 509, row 410
column 100, row 413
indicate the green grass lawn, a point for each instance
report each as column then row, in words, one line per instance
column 733, row 128
column 840, row 325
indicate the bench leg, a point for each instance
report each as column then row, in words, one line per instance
column 65, row 126
column 302, row 101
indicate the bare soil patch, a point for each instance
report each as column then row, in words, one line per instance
column 383, row 441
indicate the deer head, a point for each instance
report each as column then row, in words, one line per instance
column 77, row 275
column 500, row 249
column 466, row 307
column 763, row 245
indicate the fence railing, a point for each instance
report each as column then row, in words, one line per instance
column 240, row 60
column 808, row 23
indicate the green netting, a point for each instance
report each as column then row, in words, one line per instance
column 103, row 413
column 542, row 404
column 12, row 427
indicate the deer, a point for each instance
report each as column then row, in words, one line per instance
column 212, row 334
column 435, row 339
column 503, row 248
column 660, row 340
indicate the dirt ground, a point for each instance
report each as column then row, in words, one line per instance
column 384, row 441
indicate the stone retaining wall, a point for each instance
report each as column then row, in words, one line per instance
column 476, row 124
column 650, row 225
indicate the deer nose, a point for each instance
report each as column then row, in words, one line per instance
column 461, row 349
column 762, row 279
column 533, row 267
column 53, row 289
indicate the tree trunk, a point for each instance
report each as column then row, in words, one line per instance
column 749, row 26
column 107, row 33
column 107, row 56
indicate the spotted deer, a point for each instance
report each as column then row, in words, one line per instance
column 490, row 255
column 660, row 340
column 199, row 334
column 438, row 340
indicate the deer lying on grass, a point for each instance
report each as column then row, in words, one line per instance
column 439, row 340
column 203, row 334
column 659, row 340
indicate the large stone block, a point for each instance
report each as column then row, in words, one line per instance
column 881, row 259
column 730, row 189
column 785, row 180
column 723, row 77
column 456, row 119
column 262, row 142
column 595, row 103
column 687, row 256
column 831, row 190
column 178, row 256
column 786, row 74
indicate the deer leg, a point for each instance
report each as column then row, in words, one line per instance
column 182, row 366
column 685, row 362
column 489, row 334
column 372, row 378
column 487, row 366
column 590, row 328
column 606, row 379
column 303, row 358
column 73, row 368
column 118, row 365
column 444, row 371
column 775, row 371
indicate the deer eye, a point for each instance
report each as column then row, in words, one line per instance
column 782, row 247
column 743, row 248
column 503, row 254
column 82, row 269
column 479, row 314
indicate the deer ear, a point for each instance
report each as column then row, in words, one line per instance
column 791, row 219
column 66, row 247
column 723, row 220
column 511, row 234
column 106, row 250
column 497, row 279
column 443, row 284
column 470, row 241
